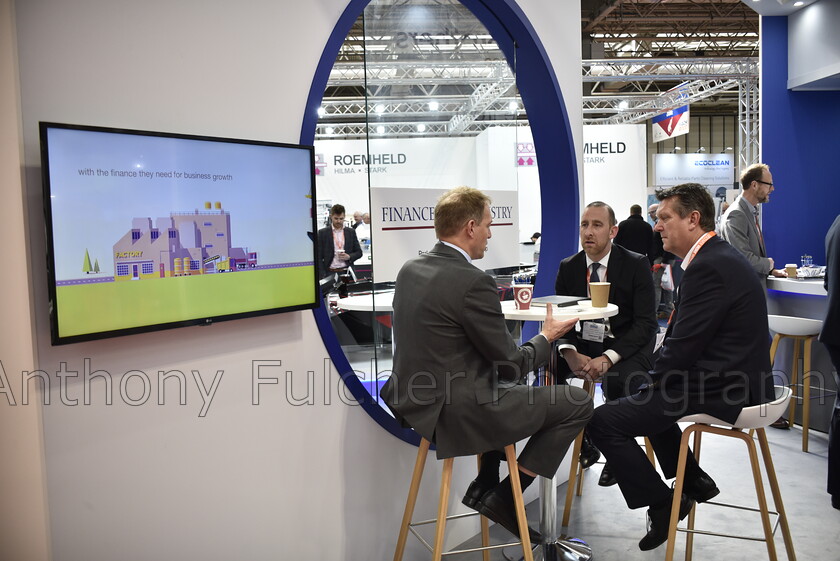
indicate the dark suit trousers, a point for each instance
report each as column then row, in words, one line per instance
column 834, row 428
column 614, row 428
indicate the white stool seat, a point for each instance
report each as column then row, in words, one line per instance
column 794, row 326
column 753, row 417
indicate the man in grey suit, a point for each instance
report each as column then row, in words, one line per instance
column 459, row 379
column 740, row 225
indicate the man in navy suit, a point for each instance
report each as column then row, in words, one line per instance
column 714, row 359
column 621, row 348
column 830, row 337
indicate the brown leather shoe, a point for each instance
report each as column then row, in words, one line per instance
column 780, row 423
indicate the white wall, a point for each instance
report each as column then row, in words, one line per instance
column 814, row 47
column 23, row 507
column 264, row 481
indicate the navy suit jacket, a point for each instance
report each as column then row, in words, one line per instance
column 631, row 289
column 830, row 334
column 716, row 352
column 635, row 234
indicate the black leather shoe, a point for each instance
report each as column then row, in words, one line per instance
column 501, row 510
column 588, row 453
column 780, row 423
column 607, row 478
column 475, row 491
column 835, row 501
column 658, row 520
column 700, row 488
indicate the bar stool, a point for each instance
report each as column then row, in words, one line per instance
column 576, row 471
column 803, row 331
column 441, row 519
column 756, row 417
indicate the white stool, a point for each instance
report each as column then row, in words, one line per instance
column 756, row 417
column 441, row 519
column 804, row 331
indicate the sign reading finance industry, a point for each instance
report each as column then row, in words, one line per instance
column 706, row 169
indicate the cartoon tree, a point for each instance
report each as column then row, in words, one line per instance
column 96, row 266
column 86, row 268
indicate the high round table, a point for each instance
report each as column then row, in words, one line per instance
column 556, row 547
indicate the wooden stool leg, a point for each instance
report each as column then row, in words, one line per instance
column 573, row 471
column 777, row 495
column 485, row 527
column 794, row 379
column 579, row 486
column 516, row 486
column 774, row 346
column 678, row 487
column 649, row 451
column 414, row 487
column 806, row 391
column 689, row 537
column 443, row 504
column 759, row 491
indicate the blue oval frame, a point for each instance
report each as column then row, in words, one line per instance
column 541, row 95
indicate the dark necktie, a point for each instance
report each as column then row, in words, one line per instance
column 593, row 276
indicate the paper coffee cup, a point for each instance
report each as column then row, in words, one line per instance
column 600, row 293
column 790, row 269
column 522, row 294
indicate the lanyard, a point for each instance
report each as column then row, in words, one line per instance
column 700, row 243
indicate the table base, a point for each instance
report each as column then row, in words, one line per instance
column 564, row 548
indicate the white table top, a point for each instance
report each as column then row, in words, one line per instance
column 797, row 286
column 380, row 302
column 583, row 310
column 383, row 302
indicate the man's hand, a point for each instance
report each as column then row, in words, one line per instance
column 553, row 329
column 595, row 368
column 778, row 273
column 771, row 263
column 576, row 361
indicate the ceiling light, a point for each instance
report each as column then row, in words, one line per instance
column 380, row 129
column 322, row 111
column 513, row 107
column 623, row 104
column 677, row 148
column 701, row 149
column 421, row 128
column 433, row 105
column 329, row 130
column 379, row 109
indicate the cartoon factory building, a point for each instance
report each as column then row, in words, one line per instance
column 182, row 244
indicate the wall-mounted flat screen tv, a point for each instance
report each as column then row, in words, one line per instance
column 151, row 230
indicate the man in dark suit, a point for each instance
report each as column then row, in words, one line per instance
column 459, row 378
column 830, row 337
column 635, row 233
column 620, row 348
column 338, row 246
column 714, row 360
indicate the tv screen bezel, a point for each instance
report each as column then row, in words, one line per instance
column 57, row 338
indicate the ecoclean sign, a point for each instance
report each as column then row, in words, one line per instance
column 706, row 169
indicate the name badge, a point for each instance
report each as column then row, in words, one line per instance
column 591, row 331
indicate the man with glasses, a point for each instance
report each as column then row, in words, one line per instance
column 740, row 225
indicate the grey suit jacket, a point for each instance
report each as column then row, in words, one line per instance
column 458, row 374
column 739, row 229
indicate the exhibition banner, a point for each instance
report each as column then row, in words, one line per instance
column 402, row 223
column 706, row 169
column 670, row 124
column 614, row 166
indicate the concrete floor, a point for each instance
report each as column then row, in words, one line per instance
column 601, row 517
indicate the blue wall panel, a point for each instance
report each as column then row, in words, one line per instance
column 799, row 141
